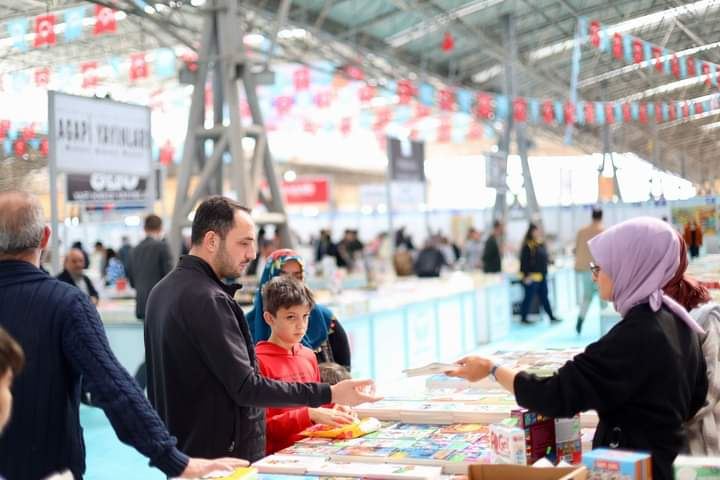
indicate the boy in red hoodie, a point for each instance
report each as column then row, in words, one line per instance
column 287, row 304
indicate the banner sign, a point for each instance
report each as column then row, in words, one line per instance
column 109, row 187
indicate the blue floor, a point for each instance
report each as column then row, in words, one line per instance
column 109, row 459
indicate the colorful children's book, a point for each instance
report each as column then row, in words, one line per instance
column 619, row 464
column 430, row 369
column 288, row 464
column 379, row 471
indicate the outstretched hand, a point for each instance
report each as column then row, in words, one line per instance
column 472, row 368
column 354, row 392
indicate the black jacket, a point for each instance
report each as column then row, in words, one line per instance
column 149, row 262
column 63, row 339
column 492, row 262
column 429, row 262
column 534, row 259
column 67, row 278
column 203, row 378
column 646, row 377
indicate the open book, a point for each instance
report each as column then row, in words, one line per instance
column 430, row 369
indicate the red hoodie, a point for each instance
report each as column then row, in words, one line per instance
column 299, row 365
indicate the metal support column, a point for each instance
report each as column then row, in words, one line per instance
column 222, row 54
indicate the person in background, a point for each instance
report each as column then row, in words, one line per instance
column 12, row 360
column 704, row 428
column 430, row 260
column 583, row 259
column 533, row 269
column 64, row 341
column 403, row 240
column 78, row 244
column 123, row 253
column 325, row 335
column 114, row 269
column 333, row 373
column 256, row 267
column 448, row 249
column 97, row 259
column 202, row 371
column 325, row 247
column 345, row 254
column 492, row 255
column 693, row 238
column 150, row 261
column 473, row 250
column 287, row 303
column 73, row 273
column 646, row 377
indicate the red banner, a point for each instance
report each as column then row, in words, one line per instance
column 484, row 105
column 306, row 190
column 638, row 53
column 520, row 110
column 301, row 78
column 104, row 20
column 89, row 73
column 138, row 66
column 44, row 30
column 42, row 76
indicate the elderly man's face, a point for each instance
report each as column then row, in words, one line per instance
column 75, row 262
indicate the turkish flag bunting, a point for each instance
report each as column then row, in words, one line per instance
column 444, row 131
column 706, row 72
column 675, row 66
column 89, row 73
column 548, row 112
column 685, row 110
column 44, row 30
column 617, row 47
column 446, row 99
column 609, row 113
column 475, row 132
column 167, row 152
column 20, row 147
column 699, row 107
column 691, row 68
column 569, row 113
column 657, row 55
column 301, row 78
column 484, row 105
column 406, row 91
column 589, row 113
column 44, row 146
column 345, row 126
column 309, row 126
column 4, row 128
column 595, row 33
column 366, row 93
column 637, row 49
column 42, row 77
column 138, row 66
column 658, row 112
column 520, row 110
column 283, row 104
column 627, row 113
column 104, row 20
column 28, row 132
column 422, row 110
column 354, row 72
column 643, row 113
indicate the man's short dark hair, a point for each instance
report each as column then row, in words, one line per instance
column 216, row 214
column 11, row 354
column 496, row 224
column 153, row 223
column 597, row 214
column 285, row 291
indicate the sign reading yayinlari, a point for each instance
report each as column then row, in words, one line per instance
column 99, row 135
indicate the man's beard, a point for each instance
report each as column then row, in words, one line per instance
column 224, row 263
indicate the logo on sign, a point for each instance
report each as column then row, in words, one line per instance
column 101, row 182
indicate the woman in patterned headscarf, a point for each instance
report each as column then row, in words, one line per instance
column 325, row 336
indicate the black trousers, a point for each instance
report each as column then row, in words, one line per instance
column 532, row 289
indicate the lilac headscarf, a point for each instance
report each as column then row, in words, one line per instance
column 641, row 256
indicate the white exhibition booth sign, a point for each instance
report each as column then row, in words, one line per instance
column 95, row 135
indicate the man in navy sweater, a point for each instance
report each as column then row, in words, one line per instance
column 63, row 339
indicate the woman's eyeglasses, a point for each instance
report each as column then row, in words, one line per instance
column 594, row 269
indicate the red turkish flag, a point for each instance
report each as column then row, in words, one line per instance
column 366, row 93
column 190, row 59
column 44, row 146
column 595, row 33
column 657, row 54
column 675, row 66
column 685, row 110
column 638, row 52
column 672, row 112
column 28, row 132
column 446, row 99
column 627, row 112
column 382, row 118
column 301, row 78
column 4, row 128
column 138, row 66
column 89, row 73
column 414, row 134
column 448, row 42
column 569, row 113
column 283, row 104
column 345, row 125
column 699, row 108
column 167, row 152
column 104, row 20
column 475, row 132
column 548, row 111
column 609, row 113
column 520, row 110
column 706, row 72
column 658, row 112
column 483, row 105
column 617, row 47
column 405, row 91
column 44, row 30
column 422, row 110
column 691, row 68
column 309, row 126
column 643, row 113
column 323, row 99
column 42, row 76
column 590, row 113
column 354, row 72
column 444, row 133
column 20, row 147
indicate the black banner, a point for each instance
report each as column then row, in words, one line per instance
column 108, row 187
column 407, row 162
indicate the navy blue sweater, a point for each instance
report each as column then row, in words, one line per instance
column 63, row 338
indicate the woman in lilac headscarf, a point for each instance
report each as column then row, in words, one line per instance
column 646, row 377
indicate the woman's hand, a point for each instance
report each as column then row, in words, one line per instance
column 330, row 417
column 472, row 368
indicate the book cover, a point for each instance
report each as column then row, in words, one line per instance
column 288, row 464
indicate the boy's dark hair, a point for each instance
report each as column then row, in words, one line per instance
column 332, row 373
column 11, row 354
column 216, row 214
column 153, row 223
column 285, row 291
column 597, row 214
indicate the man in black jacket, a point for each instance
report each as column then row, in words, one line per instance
column 203, row 377
column 64, row 341
column 73, row 274
column 149, row 262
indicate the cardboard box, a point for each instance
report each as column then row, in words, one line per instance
column 621, row 464
column 696, row 468
column 518, row 472
column 539, row 435
column 507, row 442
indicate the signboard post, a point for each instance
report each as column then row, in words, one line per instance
column 92, row 135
